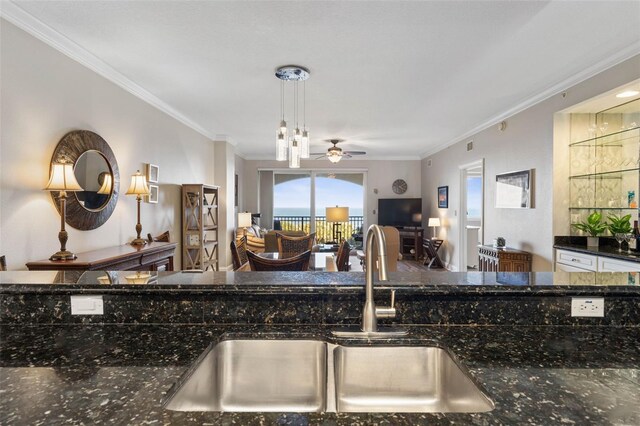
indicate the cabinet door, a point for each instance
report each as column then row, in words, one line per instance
column 578, row 260
column 606, row 264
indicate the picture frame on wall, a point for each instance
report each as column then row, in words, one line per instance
column 443, row 197
column 153, row 173
column 514, row 190
column 154, row 194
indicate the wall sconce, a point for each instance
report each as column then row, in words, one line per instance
column 337, row 215
column 63, row 179
column 138, row 188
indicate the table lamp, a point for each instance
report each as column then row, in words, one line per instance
column 63, row 179
column 138, row 188
column 107, row 183
column 434, row 222
column 337, row 215
column 244, row 222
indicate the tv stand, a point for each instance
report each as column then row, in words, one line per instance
column 411, row 238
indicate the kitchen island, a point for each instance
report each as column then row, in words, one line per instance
column 538, row 364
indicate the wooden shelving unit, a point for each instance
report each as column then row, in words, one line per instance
column 200, row 227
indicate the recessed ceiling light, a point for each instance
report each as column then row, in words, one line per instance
column 627, row 94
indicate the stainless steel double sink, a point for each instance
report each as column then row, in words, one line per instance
column 317, row 376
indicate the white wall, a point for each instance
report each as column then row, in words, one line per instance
column 527, row 143
column 44, row 95
column 380, row 176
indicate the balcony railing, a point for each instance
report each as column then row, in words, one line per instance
column 324, row 229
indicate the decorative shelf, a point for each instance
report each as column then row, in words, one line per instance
column 611, row 138
column 615, row 174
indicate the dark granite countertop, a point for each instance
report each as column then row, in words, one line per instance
column 608, row 248
column 443, row 283
column 99, row 374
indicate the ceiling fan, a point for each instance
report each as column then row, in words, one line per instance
column 335, row 153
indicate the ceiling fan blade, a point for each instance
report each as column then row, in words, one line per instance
column 318, row 153
column 321, row 156
column 355, row 152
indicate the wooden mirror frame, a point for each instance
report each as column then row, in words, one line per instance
column 71, row 147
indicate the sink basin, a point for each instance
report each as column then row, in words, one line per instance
column 256, row 375
column 316, row 376
column 404, row 379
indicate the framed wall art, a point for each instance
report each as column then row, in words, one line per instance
column 513, row 190
column 154, row 194
column 153, row 173
column 443, row 197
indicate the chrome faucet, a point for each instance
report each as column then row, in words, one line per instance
column 371, row 313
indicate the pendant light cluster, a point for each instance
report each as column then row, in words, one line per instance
column 291, row 143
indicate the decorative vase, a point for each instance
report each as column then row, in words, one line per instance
column 593, row 241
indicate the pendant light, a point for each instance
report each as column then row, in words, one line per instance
column 292, row 145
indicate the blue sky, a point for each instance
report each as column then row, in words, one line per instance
column 474, row 196
column 329, row 192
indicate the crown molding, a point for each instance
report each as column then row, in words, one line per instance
column 619, row 57
column 32, row 25
column 253, row 157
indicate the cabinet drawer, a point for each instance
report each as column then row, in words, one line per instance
column 606, row 264
column 579, row 260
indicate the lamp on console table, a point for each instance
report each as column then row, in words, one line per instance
column 138, row 188
column 337, row 215
column 434, row 222
column 63, row 179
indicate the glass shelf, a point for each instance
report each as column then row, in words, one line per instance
column 626, row 135
column 603, row 208
column 616, row 174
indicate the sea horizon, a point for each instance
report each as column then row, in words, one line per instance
column 301, row 211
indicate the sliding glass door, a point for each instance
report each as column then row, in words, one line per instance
column 301, row 199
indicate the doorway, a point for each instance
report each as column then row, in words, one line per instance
column 471, row 214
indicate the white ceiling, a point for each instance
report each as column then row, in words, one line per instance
column 395, row 79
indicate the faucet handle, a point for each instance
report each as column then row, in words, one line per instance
column 387, row 311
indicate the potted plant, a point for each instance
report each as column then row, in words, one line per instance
column 593, row 227
column 619, row 224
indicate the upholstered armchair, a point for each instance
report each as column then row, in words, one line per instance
column 255, row 242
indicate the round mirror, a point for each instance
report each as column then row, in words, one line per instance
column 96, row 170
column 94, row 176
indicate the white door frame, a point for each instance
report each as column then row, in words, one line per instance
column 462, row 237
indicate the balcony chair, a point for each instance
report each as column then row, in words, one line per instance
column 296, row 263
column 289, row 246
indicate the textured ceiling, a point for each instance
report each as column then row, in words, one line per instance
column 395, row 79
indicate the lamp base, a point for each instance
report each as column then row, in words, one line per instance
column 63, row 255
column 138, row 242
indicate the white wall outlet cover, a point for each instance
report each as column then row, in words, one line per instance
column 87, row 305
column 587, row 307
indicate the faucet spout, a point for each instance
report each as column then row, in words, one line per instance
column 374, row 234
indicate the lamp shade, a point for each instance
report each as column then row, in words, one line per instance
column 244, row 220
column 138, row 185
column 337, row 214
column 434, row 221
column 335, row 158
column 107, row 183
column 62, row 178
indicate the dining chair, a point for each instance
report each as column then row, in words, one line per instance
column 239, row 253
column 342, row 258
column 291, row 246
column 296, row 263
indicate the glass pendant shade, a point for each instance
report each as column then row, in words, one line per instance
column 283, row 127
column 304, row 144
column 294, row 155
column 62, row 178
column 297, row 135
column 281, row 147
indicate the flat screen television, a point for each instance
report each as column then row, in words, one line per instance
column 400, row 212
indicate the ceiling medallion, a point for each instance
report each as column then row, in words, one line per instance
column 293, row 144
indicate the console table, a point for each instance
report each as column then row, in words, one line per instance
column 155, row 256
column 412, row 237
column 503, row 259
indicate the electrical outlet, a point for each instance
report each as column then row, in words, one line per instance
column 587, row 306
column 87, row 305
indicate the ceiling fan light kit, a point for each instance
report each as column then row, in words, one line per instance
column 292, row 145
column 335, row 153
